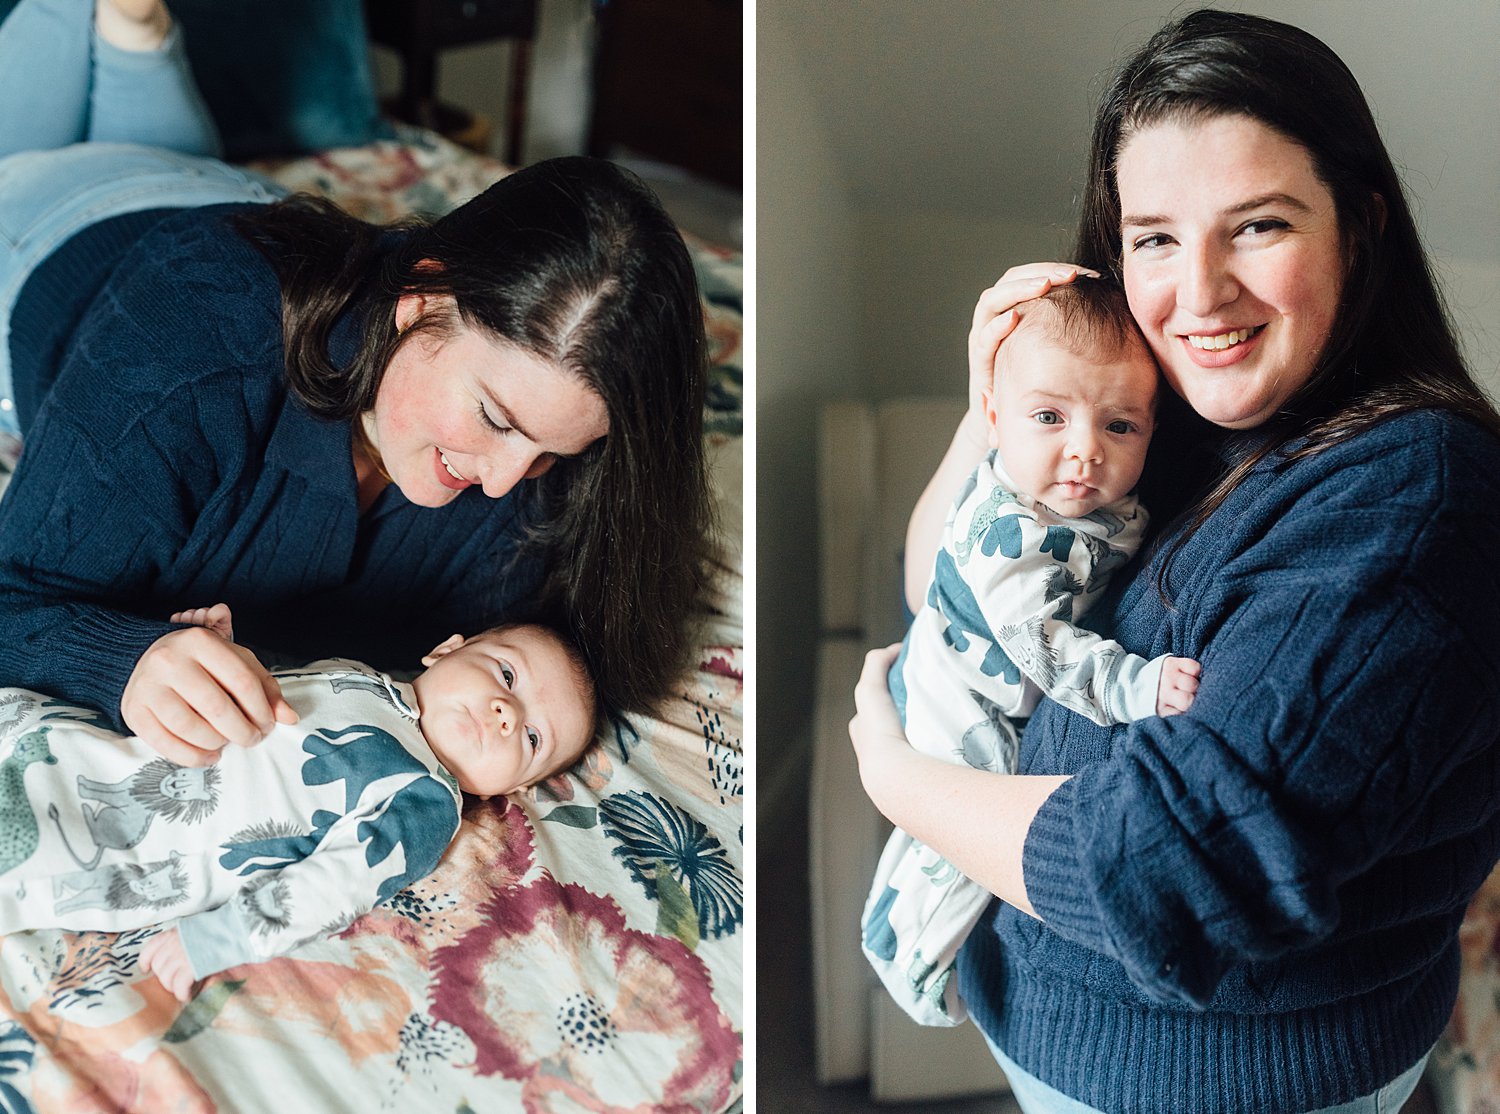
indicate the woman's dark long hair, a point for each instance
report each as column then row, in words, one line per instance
column 574, row 261
column 1391, row 349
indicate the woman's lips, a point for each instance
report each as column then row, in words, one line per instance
column 445, row 477
column 1214, row 356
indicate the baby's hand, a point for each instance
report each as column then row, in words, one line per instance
column 1179, row 685
column 216, row 618
column 164, row 956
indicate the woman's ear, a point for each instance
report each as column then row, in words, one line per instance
column 409, row 307
column 443, row 649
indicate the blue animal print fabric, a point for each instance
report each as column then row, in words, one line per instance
column 996, row 634
column 274, row 845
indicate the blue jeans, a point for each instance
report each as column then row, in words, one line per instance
column 1035, row 1097
column 87, row 132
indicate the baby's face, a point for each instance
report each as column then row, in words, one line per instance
column 1072, row 431
column 503, row 711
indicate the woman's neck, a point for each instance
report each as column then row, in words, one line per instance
column 370, row 476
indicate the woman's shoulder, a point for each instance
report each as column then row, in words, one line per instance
column 195, row 267
column 191, row 310
column 203, row 231
column 1421, row 480
column 1423, row 447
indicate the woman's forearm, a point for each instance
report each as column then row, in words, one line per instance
column 975, row 819
column 924, row 530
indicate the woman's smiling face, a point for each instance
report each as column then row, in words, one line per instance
column 463, row 408
column 1233, row 261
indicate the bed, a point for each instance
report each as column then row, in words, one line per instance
column 578, row 949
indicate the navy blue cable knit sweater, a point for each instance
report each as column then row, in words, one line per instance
column 1254, row 906
column 166, row 466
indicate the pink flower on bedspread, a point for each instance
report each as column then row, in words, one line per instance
column 723, row 661
column 117, row 1084
column 555, row 990
column 494, row 850
column 593, row 771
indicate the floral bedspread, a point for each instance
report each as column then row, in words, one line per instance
column 578, row 949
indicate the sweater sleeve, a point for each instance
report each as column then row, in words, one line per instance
column 1350, row 668
column 149, row 420
column 78, row 539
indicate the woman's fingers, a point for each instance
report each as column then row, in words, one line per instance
column 1060, row 272
column 281, row 711
column 194, row 689
column 1015, row 288
column 984, row 349
column 993, row 319
column 224, row 692
column 874, row 710
column 169, row 745
column 877, row 665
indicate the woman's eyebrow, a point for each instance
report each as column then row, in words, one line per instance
column 1265, row 199
column 505, row 411
column 1260, row 201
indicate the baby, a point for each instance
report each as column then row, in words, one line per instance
column 1032, row 539
column 294, row 838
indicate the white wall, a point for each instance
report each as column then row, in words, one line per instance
column 920, row 274
column 1472, row 289
column 807, row 283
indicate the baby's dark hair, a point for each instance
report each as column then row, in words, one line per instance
column 576, row 661
column 1088, row 317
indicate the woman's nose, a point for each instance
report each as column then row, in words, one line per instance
column 1205, row 282
column 498, row 476
column 501, row 474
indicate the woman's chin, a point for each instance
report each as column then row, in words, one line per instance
column 425, row 495
column 1229, row 410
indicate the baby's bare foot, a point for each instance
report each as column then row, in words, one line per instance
column 132, row 24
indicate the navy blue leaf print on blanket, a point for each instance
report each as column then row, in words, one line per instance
column 650, row 832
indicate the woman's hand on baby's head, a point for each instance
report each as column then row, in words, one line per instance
column 1179, row 686
column 993, row 319
column 164, row 956
column 192, row 693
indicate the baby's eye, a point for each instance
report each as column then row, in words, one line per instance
column 1047, row 417
column 508, row 674
column 534, row 736
column 1120, row 427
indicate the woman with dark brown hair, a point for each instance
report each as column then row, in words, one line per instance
column 1252, row 906
column 359, row 438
